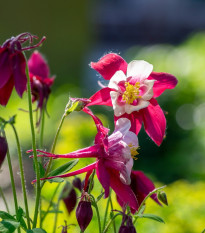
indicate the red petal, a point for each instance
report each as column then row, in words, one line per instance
column 135, row 119
column 102, row 97
column 142, row 186
column 5, row 67
column 109, row 64
column 103, row 177
column 124, row 192
column 38, row 66
column 5, row 92
column 154, row 122
column 163, row 81
column 19, row 67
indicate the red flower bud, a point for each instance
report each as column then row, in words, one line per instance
column 77, row 183
column 127, row 225
column 84, row 214
column 70, row 201
column 3, row 149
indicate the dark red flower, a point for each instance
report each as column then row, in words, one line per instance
column 3, row 149
column 40, row 79
column 141, row 185
column 84, row 214
column 70, row 201
column 13, row 65
column 127, row 225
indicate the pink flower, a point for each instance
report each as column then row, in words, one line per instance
column 113, row 158
column 141, row 186
column 13, row 65
column 131, row 91
column 40, row 79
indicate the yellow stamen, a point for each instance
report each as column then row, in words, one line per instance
column 133, row 150
column 131, row 93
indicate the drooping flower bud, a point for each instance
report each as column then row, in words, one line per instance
column 84, row 214
column 127, row 225
column 3, row 149
column 162, row 197
column 77, row 183
column 76, row 104
column 69, row 197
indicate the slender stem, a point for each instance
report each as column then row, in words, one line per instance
column 4, row 199
column 38, row 187
column 150, row 194
column 23, row 184
column 54, row 146
column 42, row 128
column 113, row 222
column 51, row 201
column 97, row 211
column 109, row 223
column 106, row 211
column 12, row 183
column 56, row 216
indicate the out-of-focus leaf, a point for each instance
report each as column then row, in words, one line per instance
column 4, row 215
column 8, row 226
column 64, row 168
column 56, row 180
column 153, row 217
column 36, row 230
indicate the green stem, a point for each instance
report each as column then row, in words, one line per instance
column 12, row 183
column 150, row 194
column 113, row 222
column 106, row 211
column 97, row 212
column 56, row 216
column 109, row 223
column 4, row 199
column 54, row 145
column 51, row 201
column 23, row 184
column 38, row 187
column 42, row 128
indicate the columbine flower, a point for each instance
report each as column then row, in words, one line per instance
column 141, row 186
column 3, row 149
column 114, row 156
column 13, row 65
column 132, row 91
column 40, row 79
column 127, row 225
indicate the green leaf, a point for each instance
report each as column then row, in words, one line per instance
column 42, row 170
column 64, row 168
column 52, row 211
column 36, row 230
column 99, row 197
column 5, row 215
column 19, row 217
column 56, row 180
column 153, row 217
column 8, row 226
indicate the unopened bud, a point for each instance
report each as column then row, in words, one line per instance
column 77, row 104
column 84, row 214
column 69, row 197
column 3, row 149
column 162, row 197
column 77, row 183
column 127, row 225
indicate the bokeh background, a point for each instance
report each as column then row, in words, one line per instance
column 169, row 34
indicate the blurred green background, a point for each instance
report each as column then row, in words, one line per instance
column 79, row 32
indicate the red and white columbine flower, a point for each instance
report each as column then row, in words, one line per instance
column 132, row 91
column 114, row 158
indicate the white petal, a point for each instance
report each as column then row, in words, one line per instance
column 141, row 104
column 125, row 176
column 149, row 93
column 123, row 125
column 139, row 69
column 131, row 138
column 116, row 78
column 118, row 109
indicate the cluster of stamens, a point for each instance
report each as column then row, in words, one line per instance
column 131, row 93
column 133, row 151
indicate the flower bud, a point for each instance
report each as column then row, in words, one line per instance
column 162, row 197
column 77, row 104
column 69, row 197
column 77, row 183
column 127, row 225
column 3, row 149
column 84, row 214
